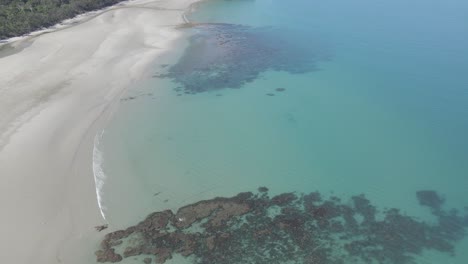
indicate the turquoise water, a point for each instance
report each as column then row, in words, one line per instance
column 382, row 112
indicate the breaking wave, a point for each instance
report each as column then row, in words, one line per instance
column 99, row 175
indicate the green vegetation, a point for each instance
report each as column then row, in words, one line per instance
column 18, row 17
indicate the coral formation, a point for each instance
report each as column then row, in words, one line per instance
column 430, row 198
column 292, row 228
column 228, row 56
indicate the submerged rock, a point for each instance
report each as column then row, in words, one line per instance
column 108, row 255
column 101, row 227
column 254, row 228
column 430, row 198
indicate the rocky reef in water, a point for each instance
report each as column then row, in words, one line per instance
column 287, row 228
column 228, row 56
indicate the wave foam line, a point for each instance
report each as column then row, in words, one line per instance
column 99, row 175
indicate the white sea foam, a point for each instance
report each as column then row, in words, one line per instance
column 99, row 175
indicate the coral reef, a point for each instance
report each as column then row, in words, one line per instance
column 228, row 56
column 292, row 228
column 430, row 198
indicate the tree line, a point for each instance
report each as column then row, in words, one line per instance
column 18, row 17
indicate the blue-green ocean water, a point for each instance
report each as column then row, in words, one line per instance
column 385, row 114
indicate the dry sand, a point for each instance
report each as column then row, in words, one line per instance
column 56, row 93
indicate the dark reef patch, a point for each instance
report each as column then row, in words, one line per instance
column 228, row 56
column 430, row 198
column 101, row 227
column 254, row 228
column 129, row 98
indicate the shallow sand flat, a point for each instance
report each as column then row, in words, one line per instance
column 54, row 96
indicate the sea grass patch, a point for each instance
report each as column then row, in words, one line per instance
column 287, row 228
column 229, row 56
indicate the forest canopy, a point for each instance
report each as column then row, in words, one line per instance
column 18, row 17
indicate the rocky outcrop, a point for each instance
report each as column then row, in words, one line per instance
column 254, row 228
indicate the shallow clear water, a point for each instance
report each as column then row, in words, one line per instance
column 383, row 112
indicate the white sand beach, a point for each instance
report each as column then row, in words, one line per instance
column 55, row 96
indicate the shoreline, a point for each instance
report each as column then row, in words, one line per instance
column 18, row 43
column 56, row 95
column 70, row 22
column 64, row 24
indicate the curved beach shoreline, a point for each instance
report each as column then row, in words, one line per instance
column 56, row 94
